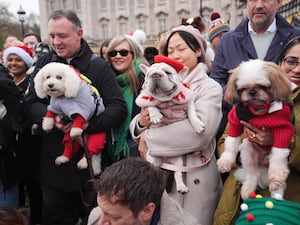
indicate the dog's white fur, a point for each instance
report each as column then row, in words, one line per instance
column 163, row 83
column 246, row 76
column 60, row 80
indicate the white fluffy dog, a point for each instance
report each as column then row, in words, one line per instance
column 163, row 88
column 259, row 91
column 71, row 96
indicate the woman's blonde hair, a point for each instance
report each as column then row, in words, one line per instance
column 130, row 73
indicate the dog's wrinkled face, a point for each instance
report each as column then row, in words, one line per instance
column 161, row 80
column 54, row 82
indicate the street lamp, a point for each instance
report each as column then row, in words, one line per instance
column 200, row 9
column 21, row 13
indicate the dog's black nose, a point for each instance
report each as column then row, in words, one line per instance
column 50, row 85
column 252, row 92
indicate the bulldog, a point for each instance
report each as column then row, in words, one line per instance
column 163, row 90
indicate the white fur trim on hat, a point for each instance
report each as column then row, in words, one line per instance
column 19, row 52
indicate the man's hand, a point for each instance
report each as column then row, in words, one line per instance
column 62, row 125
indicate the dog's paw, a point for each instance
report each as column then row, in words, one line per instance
column 198, row 126
column 226, row 162
column 182, row 188
column 247, row 188
column 61, row 160
column 75, row 132
column 224, row 166
column 156, row 118
column 155, row 115
column 96, row 164
column 82, row 164
column 48, row 124
column 277, row 177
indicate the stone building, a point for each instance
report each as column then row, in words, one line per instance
column 102, row 19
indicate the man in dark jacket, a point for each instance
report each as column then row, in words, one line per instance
column 262, row 35
column 10, row 125
column 66, row 195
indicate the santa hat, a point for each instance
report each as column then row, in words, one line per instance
column 258, row 210
column 164, row 59
column 217, row 25
column 22, row 51
column 196, row 34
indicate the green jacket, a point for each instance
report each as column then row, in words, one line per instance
column 228, row 206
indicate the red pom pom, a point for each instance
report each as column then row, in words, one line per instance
column 250, row 217
column 252, row 195
column 214, row 16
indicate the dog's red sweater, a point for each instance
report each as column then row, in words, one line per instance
column 280, row 122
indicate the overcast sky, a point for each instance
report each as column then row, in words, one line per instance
column 28, row 6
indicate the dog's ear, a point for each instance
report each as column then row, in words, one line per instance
column 72, row 81
column 231, row 94
column 38, row 84
column 144, row 68
column 280, row 84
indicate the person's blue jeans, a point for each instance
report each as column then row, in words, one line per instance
column 9, row 197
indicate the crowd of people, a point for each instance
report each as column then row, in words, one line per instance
column 130, row 190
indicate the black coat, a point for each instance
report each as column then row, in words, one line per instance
column 10, row 125
column 67, row 177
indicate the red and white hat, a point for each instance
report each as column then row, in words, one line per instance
column 22, row 51
column 172, row 62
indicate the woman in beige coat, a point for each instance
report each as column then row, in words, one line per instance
column 186, row 45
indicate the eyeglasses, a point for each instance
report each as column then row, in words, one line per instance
column 122, row 52
column 291, row 63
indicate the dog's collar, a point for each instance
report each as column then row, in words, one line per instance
column 179, row 96
column 148, row 98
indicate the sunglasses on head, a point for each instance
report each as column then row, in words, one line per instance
column 122, row 52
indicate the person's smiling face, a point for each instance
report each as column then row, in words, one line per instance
column 64, row 37
column 291, row 64
column 121, row 63
column 16, row 65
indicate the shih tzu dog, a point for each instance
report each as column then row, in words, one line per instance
column 259, row 91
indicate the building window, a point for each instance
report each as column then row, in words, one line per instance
column 78, row 4
column 161, row 1
column 140, row 2
column 122, row 3
column 103, row 4
column 162, row 25
column 65, row 4
column 123, row 29
column 52, row 6
column 142, row 25
column 105, row 34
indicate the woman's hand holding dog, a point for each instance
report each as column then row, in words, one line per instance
column 144, row 118
column 262, row 137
